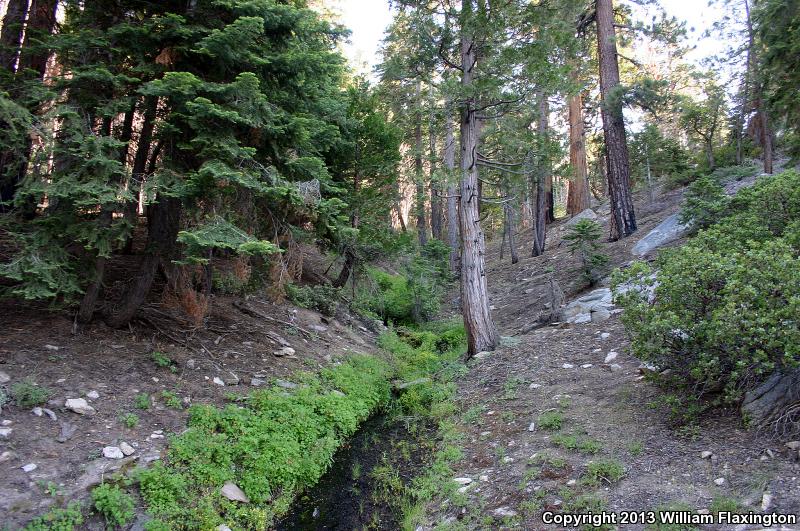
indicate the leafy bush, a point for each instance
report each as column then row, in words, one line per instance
column 142, row 401
column 608, row 470
column 582, row 240
column 114, row 504
column 551, row 420
column 27, row 393
column 726, row 306
column 130, row 420
column 705, row 203
column 321, row 298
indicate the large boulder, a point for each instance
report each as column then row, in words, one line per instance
column 667, row 231
column 586, row 214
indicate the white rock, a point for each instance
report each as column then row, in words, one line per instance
column 156, row 436
column 234, row 493
column 257, row 382
column 605, row 335
column 532, row 426
column 191, row 364
column 285, row 351
column 568, row 366
column 285, row 384
column 6, row 456
column 223, row 527
column 581, row 319
column 766, row 501
column 534, row 386
column 615, row 367
column 706, row 454
column 4, row 377
column 217, row 380
column 5, row 433
column 505, row 512
column 571, row 482
column 79, row 406
column 464, row 489
column 463, row 481
column 484, row 478
column 611, row 357
column 126, row 448
column 508, row 460
column 37, row 411
column 793, row 445
column 112, row 452
column 719, row 482
column 93, row 395
column 52, row 347
column 482, row 355
column 6, row 423
column 30, row 467
column 586, row 366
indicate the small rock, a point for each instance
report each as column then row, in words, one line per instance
column 463, row 481
column 505, row 512
column 581, row 319
column 257, row 382
column 223, row 527
column 6, row 423
column 5, row 433
column 615, row 367
column 464, row 489
column 568, row 366
column 571, row 482
column 4, row 377
column 156, row 436
column 770, row 453
column 586, row 365
column 508, row 460
column 532, row 426
column 706, row 454
column 67, row 431
column 112, row 452
column 52, row 348
column 191, row 364
column 484, row 478
column 37, row 411
column 482, row 355
column 319, row 328
column 217, row 380
column 230, row 378
column 703, row 511
column 611, row 357
column 285, row 351
column 30, row 467
column 719, row 482
column 126, row 448
column 234, row 493
column 793, row 445
column 285, row 385
column 534, row 386
column 6, row 456
column 599, row 315
column 766, row 501
column 79, row 406
column 93, row 395
column 605, row 335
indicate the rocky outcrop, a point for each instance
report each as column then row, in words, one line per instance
column 667, row 231
column 775, row 404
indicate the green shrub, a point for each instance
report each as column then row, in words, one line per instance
column 322, row 298
column 608, row 470
column 582, row 240
column 171, row 400
column 130, row 420
column 114, row 504
column 726, row 307
column 27, row 393
column 705, row 202
column 142, row 401
column 551, row 420
column 60, row 519
column 161, row 359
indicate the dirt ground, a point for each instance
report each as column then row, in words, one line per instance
column 520, row 469
column 119, row 366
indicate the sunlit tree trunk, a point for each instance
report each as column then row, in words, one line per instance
column 419, row 176
column 578, row 195
column 758, row 96
column 452, row 196
column 12, row 33
column 623, row 217
column 539, row 193
column 481, row 331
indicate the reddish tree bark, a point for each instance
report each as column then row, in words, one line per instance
column 12, row 34
column 578, row 195
column 623, row 217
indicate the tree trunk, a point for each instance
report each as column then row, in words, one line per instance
column 41, row 23
column 139, row 168
column 452, row 196
column 538, row 188
column 623, row 217
column 481, row 332
column 761, row 112
column 510, row 229
column 710, row 154
column 349, row 254
column 436, row 189
column 578, row 195
column 163, row 224
column 12, row 34
column 419, row 176
column 774, row 406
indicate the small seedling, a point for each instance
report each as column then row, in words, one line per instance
column 604, row 470
column 171, row 400
column 129, row 420
column 551, row 420
column 161, row 359
column 28, row 394
column 142, row 401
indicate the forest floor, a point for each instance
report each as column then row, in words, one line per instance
column 522, row 464
column 140, row 397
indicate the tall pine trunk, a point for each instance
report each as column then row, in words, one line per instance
column 623, row 217
column 436, row 193
column 41, row 23
column 419, row 175
column 12, row 34
column 539, row 194
column 578, row 195
column 452, row 195
column 481, row 332
column 758, row 100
